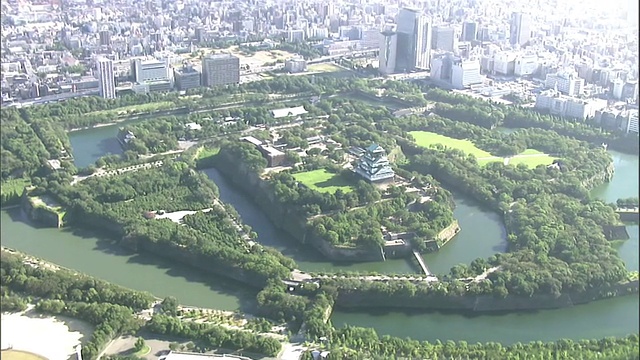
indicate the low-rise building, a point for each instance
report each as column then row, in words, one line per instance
column 295, row 65
column 562, row 105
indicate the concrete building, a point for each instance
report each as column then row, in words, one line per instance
column 567, row 82
column 443, row 38
column 465, row 73
column 562, row 105
column 413, row 41
column 106, row 79
column 525, row 64
column 105, row 37
column 295, row 35
column 469, row 31
column 520, row 29
column 295, row 65
column 504, row 63
column 616, row 88
column 149, row 70
column 632, row 123
column 186, row 78
column 220, row 69
column 387, row 55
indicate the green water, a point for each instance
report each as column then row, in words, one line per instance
column 100, row 257
column 482, row 235
column 611, row 317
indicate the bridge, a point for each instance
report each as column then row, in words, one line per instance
column 423, row 266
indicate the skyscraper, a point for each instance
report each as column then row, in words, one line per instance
column 387, row 55
column 469, row 30
column 106, row 79
column 520, row 31
column 443, row 38
column 414, row 40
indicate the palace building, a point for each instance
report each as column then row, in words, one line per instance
column 374, row 166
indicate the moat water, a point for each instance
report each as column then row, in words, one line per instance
column 97, row 256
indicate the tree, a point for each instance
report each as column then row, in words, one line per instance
column 139, row 345
column 169, row 306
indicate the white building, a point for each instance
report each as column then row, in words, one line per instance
column 150, row 70
column 526, row 64
column 295, row 65
column 387, row 56
column 465, row 73
column 632, row 124
column 504, row 62
column 106, row 78
column 567, row 82
column 568, row 106
column 616, row 87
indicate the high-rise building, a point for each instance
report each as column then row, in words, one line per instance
column 469, row 31
column 105, row 37
column 443, row 38
column 186, row 78
column 220, row 69
column 149, row 70
column 413, row 40
column 465, row 73
column 106, row 78
column 520, row 30
column 387, row 54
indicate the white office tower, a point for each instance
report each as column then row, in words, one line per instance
column 423, row 40
column 520, row 29
column 388, row 47
column 106, row 79
column 465, row 73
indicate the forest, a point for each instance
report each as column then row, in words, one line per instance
column 490, row 114
column 555, row 238
column 111, row 309
column 355, row 343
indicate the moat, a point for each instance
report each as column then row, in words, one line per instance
column 99, row 257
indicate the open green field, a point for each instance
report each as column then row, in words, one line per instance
column 324, row 67
column 529, row 157
column 323, row 181
column 155, row 106
column 532, row 161
column 205, row 152
column 531, row 152
column 20, row 355
column 427, row 139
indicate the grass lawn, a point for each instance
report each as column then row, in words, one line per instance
column 154, row 106
column 532, row 161
column 20, row 355
column 485, row 161
column 323, row 181
column 323, row 67
column 205, row 152
column 14, row 186
column 144, row 351
column 531, row 152
column 426, row 139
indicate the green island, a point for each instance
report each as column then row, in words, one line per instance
column 350, row 180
